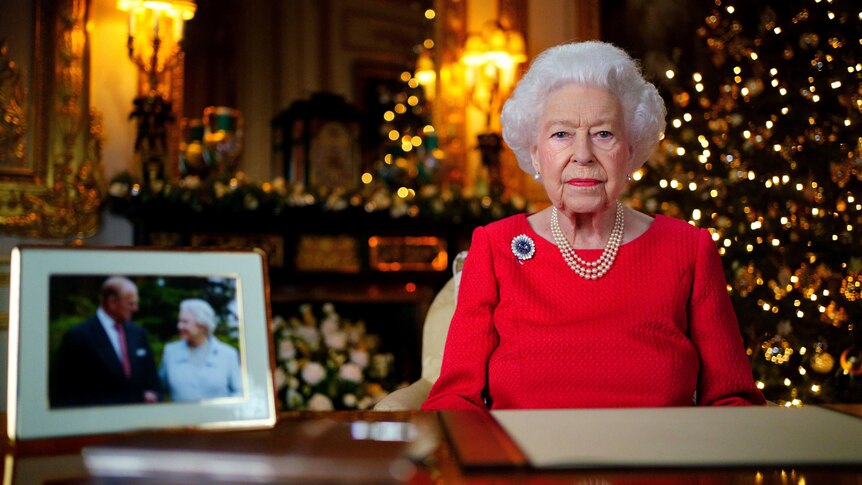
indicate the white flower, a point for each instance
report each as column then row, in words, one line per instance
column 355, row 332
column 349, row 400
column 319, row 402
column 336, row 340
column 293, row 383
column 350, row 372
column 280, row 378
column 313, row 373
column 328, row 326
column 286, row 350
column 278, row 323
column 328, row 308
column 309, row 334
column 359, row 357
column 292, row 367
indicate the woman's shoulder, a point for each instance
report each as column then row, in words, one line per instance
column 685, row 238
column 506, row 225
column 671, row 226
column 220, row 346
column 173, row 347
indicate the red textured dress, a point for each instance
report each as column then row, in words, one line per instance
column 657, row 330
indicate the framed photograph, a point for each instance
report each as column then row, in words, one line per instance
column 106, row 340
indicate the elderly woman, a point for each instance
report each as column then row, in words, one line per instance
column 589, row 303
column 199, row 366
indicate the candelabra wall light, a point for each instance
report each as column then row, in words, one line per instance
column 490, row 59
column 155, row 44
column 426, row 74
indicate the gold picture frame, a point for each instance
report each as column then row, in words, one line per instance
column 50, row 153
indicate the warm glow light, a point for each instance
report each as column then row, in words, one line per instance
column 155, row 30
column 490, row 59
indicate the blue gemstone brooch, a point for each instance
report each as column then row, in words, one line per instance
column 523, row 247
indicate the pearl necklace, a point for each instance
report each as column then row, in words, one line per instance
column 590, row 270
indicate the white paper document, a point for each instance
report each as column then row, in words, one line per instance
column 684, row 437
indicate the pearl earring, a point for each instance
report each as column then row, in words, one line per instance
column 537, row 176
column 628, row 177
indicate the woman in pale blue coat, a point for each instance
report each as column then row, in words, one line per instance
column 199, row 366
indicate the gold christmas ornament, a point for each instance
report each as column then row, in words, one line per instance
column 851, row 287
column 777, row 350
column 745, row 279
column 822, row 362
column 809, row 40
column 834, row 315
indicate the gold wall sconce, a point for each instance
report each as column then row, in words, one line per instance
column 426, row 74
column 155, row 45
column 155, row 35
column 490, row 60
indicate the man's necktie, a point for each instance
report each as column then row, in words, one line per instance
column 124, row 351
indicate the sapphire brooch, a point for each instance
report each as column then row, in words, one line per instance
column 523, row 248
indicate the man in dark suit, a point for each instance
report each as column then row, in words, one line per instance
column 106, row 359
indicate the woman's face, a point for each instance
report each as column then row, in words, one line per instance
column 189, row 329
column 581, row 149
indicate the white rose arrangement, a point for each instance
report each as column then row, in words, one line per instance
column 329, row 363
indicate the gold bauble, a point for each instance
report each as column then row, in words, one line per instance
column 822, row 362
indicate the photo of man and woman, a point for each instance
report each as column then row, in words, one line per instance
column 142, row 339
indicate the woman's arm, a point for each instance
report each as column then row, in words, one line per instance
column 472, row 336
column 725, row 374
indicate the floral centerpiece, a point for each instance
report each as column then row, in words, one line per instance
column 329, row 363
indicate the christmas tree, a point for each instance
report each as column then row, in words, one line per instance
column 764, row 148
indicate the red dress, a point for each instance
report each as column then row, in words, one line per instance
column 657, row 330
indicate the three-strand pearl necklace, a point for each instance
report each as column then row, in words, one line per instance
column 590, row 270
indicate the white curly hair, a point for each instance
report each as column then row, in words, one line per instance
column 201, row 311
column 590, row 63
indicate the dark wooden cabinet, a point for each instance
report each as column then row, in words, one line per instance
column 372, row 266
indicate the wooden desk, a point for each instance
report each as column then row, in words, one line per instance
column 63, row 463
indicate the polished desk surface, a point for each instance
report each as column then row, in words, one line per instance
column 60, row 461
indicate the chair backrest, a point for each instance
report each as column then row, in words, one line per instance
column 437, row 321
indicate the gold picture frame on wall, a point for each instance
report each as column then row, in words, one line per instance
column 50, row 139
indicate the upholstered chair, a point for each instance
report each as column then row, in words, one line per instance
column 434, row 333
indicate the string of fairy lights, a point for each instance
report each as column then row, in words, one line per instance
column 766, row 152
column 414, row 150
